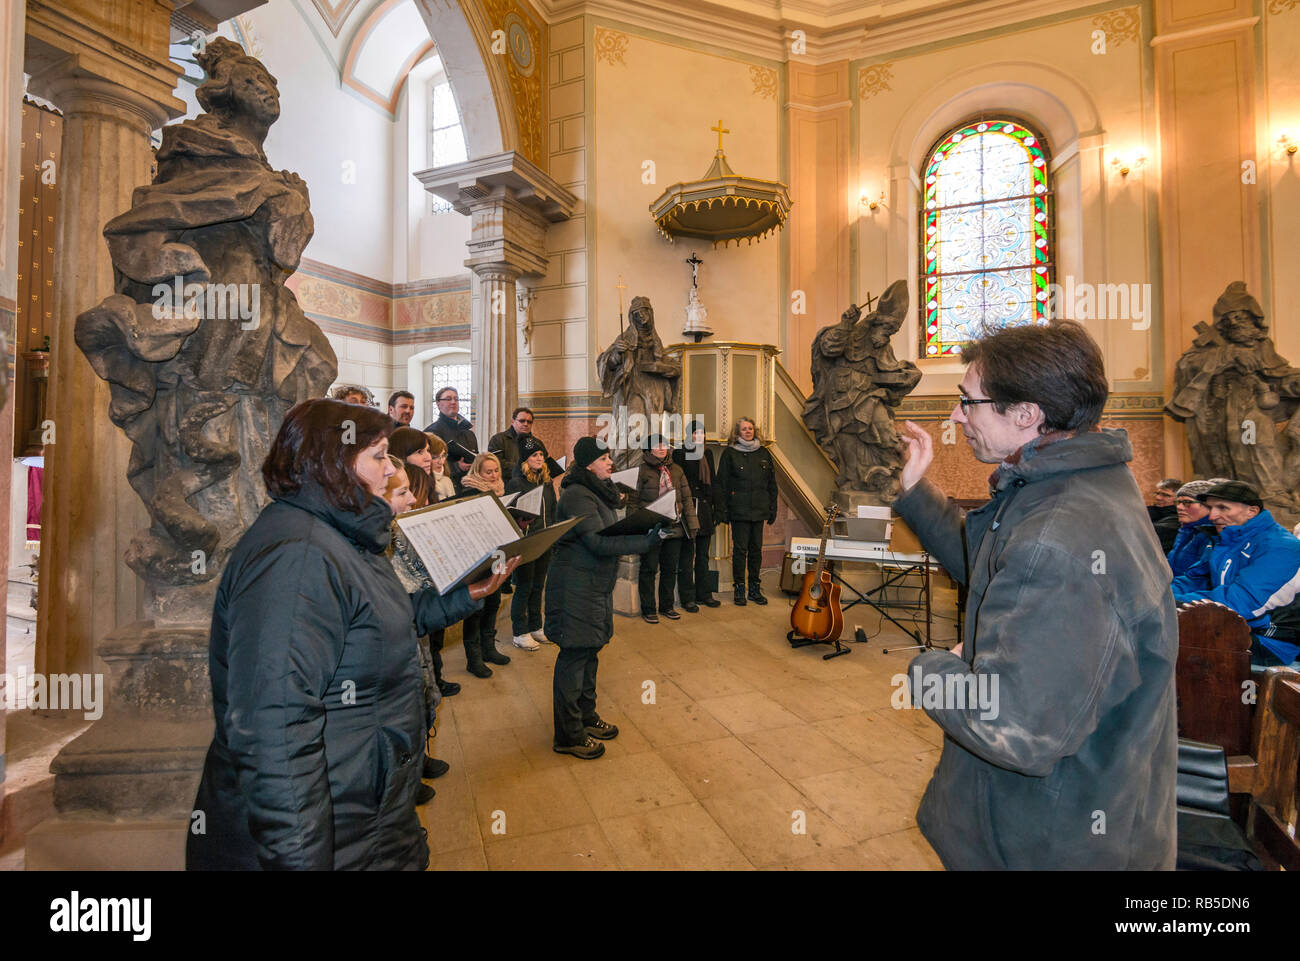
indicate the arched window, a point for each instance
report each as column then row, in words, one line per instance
column 446, row 135
column 987, row 238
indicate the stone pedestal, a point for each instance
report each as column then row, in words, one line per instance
column 124, row 789
column 627, row 600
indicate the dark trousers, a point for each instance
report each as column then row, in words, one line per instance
column 662, row 560
column 435, row 650
column 693, row 574
column 526, row 605
column 574, row 690
column 481, row 627
column 746, row 548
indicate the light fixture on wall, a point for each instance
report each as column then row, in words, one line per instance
column 1125, row 165
column 1287, row 145
column 871, row 203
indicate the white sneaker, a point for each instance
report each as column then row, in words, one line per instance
column 539, row 635
column 526, row 642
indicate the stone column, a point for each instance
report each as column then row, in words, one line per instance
column 511, row 203
column 113, row 95
column 494, row 348
column 86, row 589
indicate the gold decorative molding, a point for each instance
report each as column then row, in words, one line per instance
column 764, row 79
column 1282, row 6
column 874, row 79
column 525, row 49
column 610, row 46
column 1121, row 26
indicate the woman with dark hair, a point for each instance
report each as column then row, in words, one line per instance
column 442, row 485
column 480, row 630
column 579, row 596
column 657, row 477
column 746, row 498
column 423, row 461
column 401, row 497
column 412, row 446
column 530, row 579
column 315, row 673
column 693, row 574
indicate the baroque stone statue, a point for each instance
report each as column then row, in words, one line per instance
column 204, row 347
column 641, row 379
column 1240, row 402
column 857, row 383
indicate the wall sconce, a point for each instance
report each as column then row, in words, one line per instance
column 871, row 203
column 1125, row 167
column 1287, row 144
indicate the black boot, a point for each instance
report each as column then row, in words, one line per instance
column 491, row 655
column 474, row 659
column 756, row 592
column 738, row 595
column 424, row 794
column 446, row 688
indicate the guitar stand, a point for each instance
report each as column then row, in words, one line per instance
column 797, row 642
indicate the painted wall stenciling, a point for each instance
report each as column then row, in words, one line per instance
column 1282, row 6
column 610, row 46
column 874, row 79
column 764, row 79
column 1120, row 26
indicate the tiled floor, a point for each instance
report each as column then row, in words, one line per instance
column 739, row 753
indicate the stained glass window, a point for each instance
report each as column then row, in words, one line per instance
column 986, row 234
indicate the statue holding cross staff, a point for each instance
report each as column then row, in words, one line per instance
column 857, row 383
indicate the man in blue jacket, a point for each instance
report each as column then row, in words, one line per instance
column 1253, row 569
column 1195, row 531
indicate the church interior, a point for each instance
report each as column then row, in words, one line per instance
column 492, row 184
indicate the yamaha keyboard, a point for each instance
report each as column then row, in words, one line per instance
column 873, row 552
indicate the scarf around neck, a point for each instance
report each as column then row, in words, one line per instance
column 478, row 483
column 749, row 446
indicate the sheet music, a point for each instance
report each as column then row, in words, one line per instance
column 562, row 461
column 666, row 505
column 509, row 499
column 626, row 477
column 531, row 503
column 454, row 539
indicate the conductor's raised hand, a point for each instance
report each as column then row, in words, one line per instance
column 920, row 454
column 490, row 585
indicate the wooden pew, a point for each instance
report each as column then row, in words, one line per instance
column 1271, row 822
column 1211, row 678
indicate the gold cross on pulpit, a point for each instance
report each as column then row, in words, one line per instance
column 720, row 130
column 620, row 287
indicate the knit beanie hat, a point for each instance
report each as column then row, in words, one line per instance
column 1193, row 488
column 530, row 445
column 587, row 450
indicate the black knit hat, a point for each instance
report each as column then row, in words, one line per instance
column 530, row 445
column 1238, row 492
column 654, row 440
column 587, row 450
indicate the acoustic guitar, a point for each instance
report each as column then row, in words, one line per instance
column 817, row 614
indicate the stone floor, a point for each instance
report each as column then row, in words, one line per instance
column 750, row 755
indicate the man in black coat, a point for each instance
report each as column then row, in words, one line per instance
column 454, row 429
column 1164, row 512
column 506, row 444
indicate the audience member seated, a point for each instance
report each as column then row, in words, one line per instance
column 1195, row 531
column 1163, row 513
column 1254, row 567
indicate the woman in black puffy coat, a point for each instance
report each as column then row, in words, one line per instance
column 316, row 683
column 579, row 596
